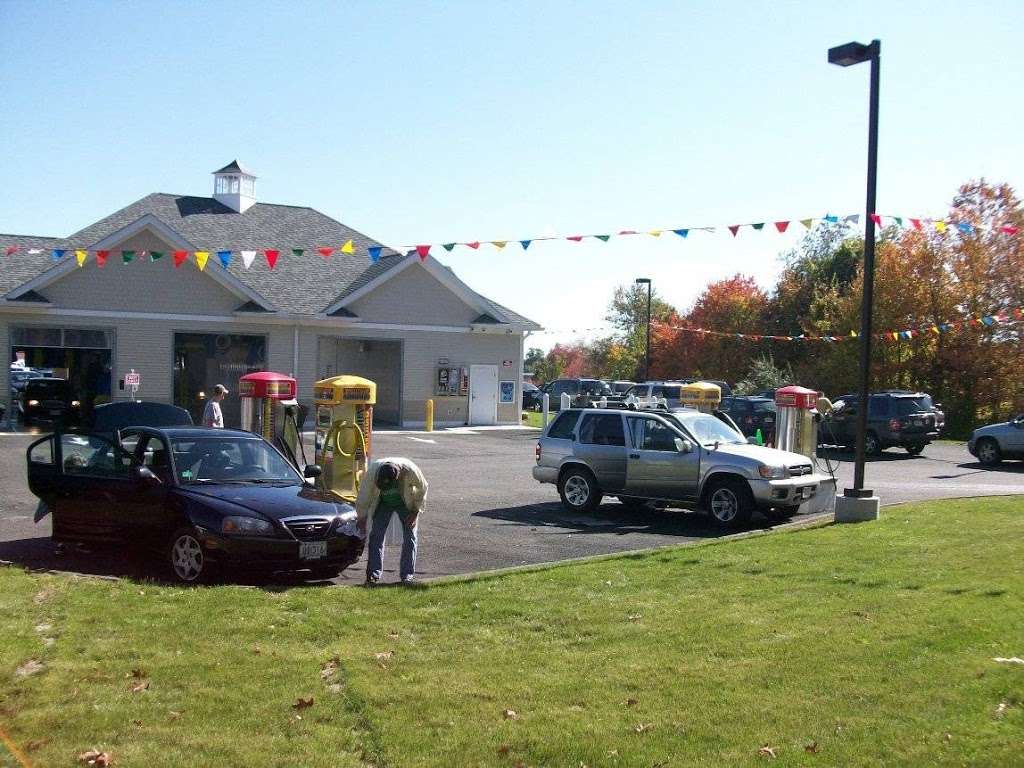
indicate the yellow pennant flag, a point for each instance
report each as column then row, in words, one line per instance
column 80, row 257
column 201, row 259
column 499, row 244
column 935, row 329
column 348, row 248
column 655, row 233
column 940, row 226
column 853, row 334
column 807, row 222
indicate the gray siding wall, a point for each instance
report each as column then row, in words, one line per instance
column 414, row 297
column 142, row 286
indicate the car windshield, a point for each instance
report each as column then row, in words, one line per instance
column 763, row 406
column 230, row 460
column 594, row 388
column 52, row 388
column 707, row 429
column 908, row 405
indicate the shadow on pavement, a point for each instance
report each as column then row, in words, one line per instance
column 614, row 518
column 1012, row 467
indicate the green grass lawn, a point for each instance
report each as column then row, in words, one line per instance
column 834, row 646
column 534, row 419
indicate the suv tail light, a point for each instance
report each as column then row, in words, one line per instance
column 536, row 452
column 895, row 425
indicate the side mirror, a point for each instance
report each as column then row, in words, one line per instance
column 752, row 440
column 145, row 476
column 312, row 471
column 683, row 445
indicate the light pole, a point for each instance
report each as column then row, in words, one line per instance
column 859, row 503
column 647, row 349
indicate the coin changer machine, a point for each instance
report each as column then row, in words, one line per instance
column 798, row 418
column 344, row 431
column 269, row 409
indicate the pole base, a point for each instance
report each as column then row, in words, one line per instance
column 857, row 509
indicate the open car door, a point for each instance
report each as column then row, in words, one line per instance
column 86, row 482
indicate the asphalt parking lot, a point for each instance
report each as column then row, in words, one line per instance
column 485, row 511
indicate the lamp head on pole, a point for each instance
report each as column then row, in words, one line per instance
column 852, row 53
column 643, row 281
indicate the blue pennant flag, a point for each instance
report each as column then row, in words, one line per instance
column 832, row 219
column 988, row 320
column 681, row 232
column 58, row 254
column 525, row 243
column 964, row 227
column 374, row 253
column 225, row 258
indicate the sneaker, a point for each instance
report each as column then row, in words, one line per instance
column 408, row 579
column 370, row 581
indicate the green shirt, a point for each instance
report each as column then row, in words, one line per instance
column 391, row 498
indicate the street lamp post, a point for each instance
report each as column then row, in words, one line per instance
column 859, row 503
column 647, row 349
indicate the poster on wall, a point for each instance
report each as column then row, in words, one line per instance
column 451, row 381
column 507, row 392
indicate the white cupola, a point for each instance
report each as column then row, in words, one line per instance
column 234, row 185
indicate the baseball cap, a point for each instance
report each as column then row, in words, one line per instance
column 220, row 388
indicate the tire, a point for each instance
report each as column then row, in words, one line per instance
column 872, row 446
column 914, row 450
column 988, row 452
column 729, row 502
column 578, row 490
column 186, row 560
column 636, row 504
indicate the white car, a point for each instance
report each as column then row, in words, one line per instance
column 996, row 442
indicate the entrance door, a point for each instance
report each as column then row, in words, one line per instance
column 483, row 394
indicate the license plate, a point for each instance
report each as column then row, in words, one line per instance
column 805, row 493
column 55, row 412
column 312, row 550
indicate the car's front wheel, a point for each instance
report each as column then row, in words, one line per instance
column 578, row 490
column 185, row 556
column 729, row 502
column 988, row 452
column 914, row 450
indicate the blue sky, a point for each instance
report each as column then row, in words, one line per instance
column 417, row 122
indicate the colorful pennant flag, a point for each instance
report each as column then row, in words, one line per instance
column 448, row 246
column 575, row 238
column 915, row 223
column 655, row 233
column 155, row 255
column 474, row 245
column 940, row 227
column 101, row 258
column 80, row 257
column 832, row 219
column 127, row 257
column 734, row 228
column 225, row 258
column 759, row 226
column 297, row 252
column 525, row 243
column 325, row 252
column 348, row 247
column 180, row 257
column 877, row 218
column 271, row 257
column 499, row 244
column 248, row 257
column 423, row 251
column 201, row 259
column 1009, row 229
column 682, row 232
column 603, row 238
column 808, row 223
column 374, row 251
column 58, row 254
column 782, row 226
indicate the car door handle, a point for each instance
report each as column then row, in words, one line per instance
column 634, row 455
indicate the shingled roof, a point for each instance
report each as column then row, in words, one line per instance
column 306, row 284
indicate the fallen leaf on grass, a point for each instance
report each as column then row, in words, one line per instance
column 393, row 634
column 1001, row 709
column 301, row 703
column 1011, row 660
column 142, row 685
column 257, row 650
column 503, row 749
column 510, row 714
column 811, row 748
column 948, row 737
column 137, row 723
column 643, row 727
column 767, row 751
column 329, row 668
column 30, row 667
column 95, row 757
column 35, row 744
column 635, row 616
column 174, row 715
column 384, row 655
column 632, row 702
column 138, row 674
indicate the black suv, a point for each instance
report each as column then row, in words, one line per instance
column 581, row 392
column 752, row 414
column 895, row 417
column 50, row 400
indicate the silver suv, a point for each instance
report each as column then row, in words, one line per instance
column 674, row 458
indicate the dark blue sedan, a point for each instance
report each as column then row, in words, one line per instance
column 199, row 498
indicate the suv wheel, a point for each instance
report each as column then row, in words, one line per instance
column 871, row 445
column 188, row 563
column 729, row 502
column 988, row 452
column 578, row 490
column 914, row 450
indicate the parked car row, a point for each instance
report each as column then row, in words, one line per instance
column 583, row 391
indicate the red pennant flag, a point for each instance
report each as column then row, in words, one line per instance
column 734, row 229
column 180, row 257
column 1008, row 229
column 475, row 244
column 101, row 258
column 781, row 225
column 916, row 223
column 325, row 252
column 627, row 232
column 271, row 257
column 575, row 238
column 877, row 218
column 423, row 251
column 11, row 250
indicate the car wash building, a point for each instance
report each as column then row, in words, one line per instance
column 136, row 304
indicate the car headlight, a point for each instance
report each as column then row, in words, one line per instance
column 246, row 526
column 75, row 403
column 769, row 472
column 33, row 402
